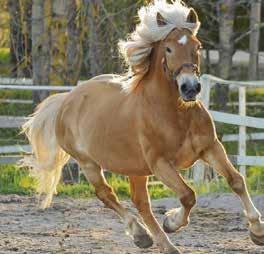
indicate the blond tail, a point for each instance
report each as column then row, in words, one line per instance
column 48, row 157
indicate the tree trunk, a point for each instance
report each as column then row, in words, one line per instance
column 94, row 51
column 255, row 19
column 40, row 46
column 59, row 41
column 20, row 42
column 74, row 51
column 226, row 11
column 15, row 35
column 26, row 22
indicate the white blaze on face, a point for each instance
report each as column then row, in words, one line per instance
column 183, row 40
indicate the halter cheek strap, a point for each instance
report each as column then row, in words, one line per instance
column 175, row 74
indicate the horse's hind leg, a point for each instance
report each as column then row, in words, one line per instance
column 140, row 197
column 217, row 158
column 105, row 193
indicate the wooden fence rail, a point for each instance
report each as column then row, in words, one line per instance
column 9, row 122
column 249, row 137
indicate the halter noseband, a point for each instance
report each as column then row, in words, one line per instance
column 175, row 74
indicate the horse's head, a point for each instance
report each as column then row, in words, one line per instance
column 165, row 38
column 181, row 58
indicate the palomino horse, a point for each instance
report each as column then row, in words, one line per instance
column 147, row 124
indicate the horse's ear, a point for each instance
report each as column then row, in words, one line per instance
column 192, row 16
column 160, row 20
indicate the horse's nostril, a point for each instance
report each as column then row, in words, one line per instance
column 184, row 87
column 198, row 88
column 191, row 92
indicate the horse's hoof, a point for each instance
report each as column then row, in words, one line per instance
column 143, row 241
column 258, row 240
column 166, row 226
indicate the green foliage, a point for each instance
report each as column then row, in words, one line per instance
column 160, row 191
column 4, row 55
column 215, row 186
column 256, row 180
column 5, row 67
column 15, row 180
column 81, row 190
column 120, row 185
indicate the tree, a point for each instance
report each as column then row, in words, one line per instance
column 94, row 51
column 20, row 33
column 255, row 19
column 41, row 42
column 226, row 15
column 66, row 42
column 74, row 52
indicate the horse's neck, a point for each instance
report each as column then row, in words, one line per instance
column 156, row 85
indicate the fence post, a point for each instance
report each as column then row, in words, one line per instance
column 205, row 92
column 242, row 129
column 199, row 166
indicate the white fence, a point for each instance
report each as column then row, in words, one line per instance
column 7, row 122
column 208, row 82
column 243, row 121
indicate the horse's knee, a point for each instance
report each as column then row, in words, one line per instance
column 237, row 183
column 188, row 199
column 106, row 194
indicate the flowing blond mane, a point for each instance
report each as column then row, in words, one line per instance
column 136, row 50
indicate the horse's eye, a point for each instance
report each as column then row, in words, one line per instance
column 168, row 50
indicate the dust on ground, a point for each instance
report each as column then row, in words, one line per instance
column 76, row 226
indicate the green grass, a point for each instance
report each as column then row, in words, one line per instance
column 17, row 181
column 14, row 180
column 81, row 190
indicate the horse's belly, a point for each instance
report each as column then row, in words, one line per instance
column 120, row 157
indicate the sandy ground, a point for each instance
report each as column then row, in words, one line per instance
column 86, row 226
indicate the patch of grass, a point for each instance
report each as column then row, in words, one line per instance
column 7, row 109
column 256, row 180
column 215, row 186
column 160, row 191
column 12, row 137
column 81, row 190
column 120, row 185
column 16, row 181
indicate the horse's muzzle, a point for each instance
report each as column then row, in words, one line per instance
column 189, row 90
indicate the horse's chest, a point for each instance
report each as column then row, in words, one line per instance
column 185, row 153
column 181, row 146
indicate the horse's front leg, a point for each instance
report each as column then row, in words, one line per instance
column 178, row 217
column 140, row 197
column 217, row 158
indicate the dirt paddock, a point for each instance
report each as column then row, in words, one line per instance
column 86, row 226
